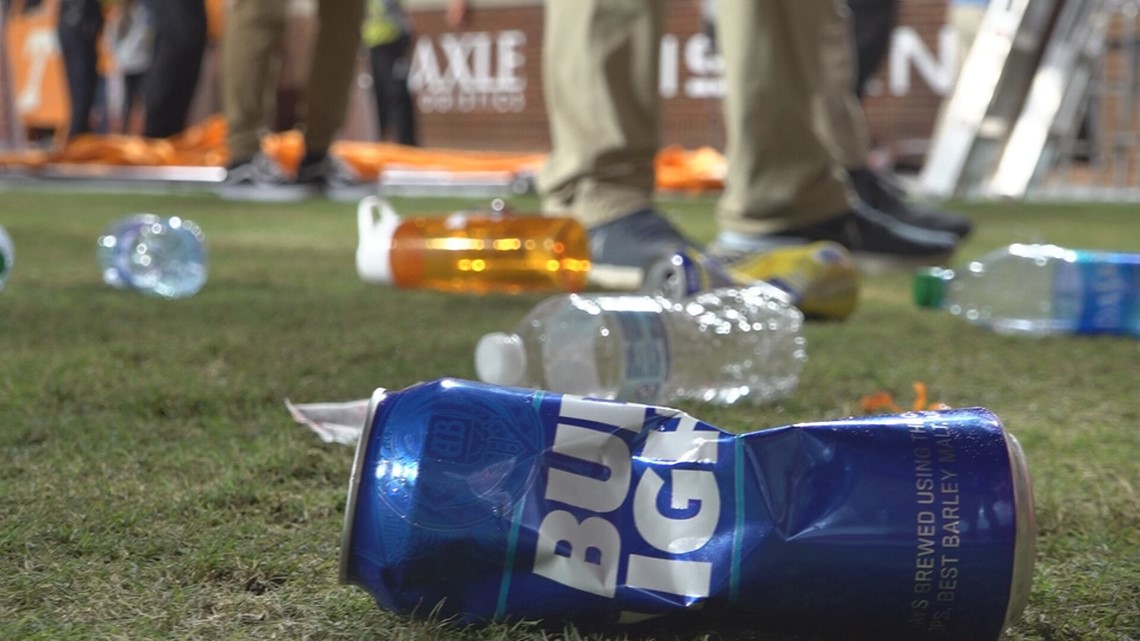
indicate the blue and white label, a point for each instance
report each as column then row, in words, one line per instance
column 1106, row 286
column 645, row 359
column 621, row 464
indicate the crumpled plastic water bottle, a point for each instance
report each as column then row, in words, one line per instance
column 158, row 256
column 7, row 257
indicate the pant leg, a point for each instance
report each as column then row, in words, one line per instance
column 839, row 113
column 395, row 110
column 600, row 74
column 332, row 71
column 179, row 43
column 872, row 22
column 781, row 173
column 250, row 41
column 80, row 22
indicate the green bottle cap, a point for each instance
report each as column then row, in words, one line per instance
column 930, row 286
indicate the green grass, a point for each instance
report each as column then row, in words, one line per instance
column 152, row 485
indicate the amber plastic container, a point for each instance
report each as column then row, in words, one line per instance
column 471, row 251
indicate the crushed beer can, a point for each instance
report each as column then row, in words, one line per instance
column 482, row 503
column 820, row 277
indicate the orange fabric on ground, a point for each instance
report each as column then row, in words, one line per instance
column 204, row 145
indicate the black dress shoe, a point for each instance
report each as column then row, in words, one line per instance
column 877, row 192
column 878, row 241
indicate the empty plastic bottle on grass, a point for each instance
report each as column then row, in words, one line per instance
column 1040, row 290
column 7, row 257
column 471, row 251
column 721, row 346
column 157, row 256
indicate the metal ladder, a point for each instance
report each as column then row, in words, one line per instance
column 1057, row 99
column 987, row 98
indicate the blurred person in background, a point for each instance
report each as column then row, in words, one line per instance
column 847, row 66
column 172, row 77
column 130, row 38
column 785, row 182
column 251, row 43
column 170, row 85
column 387, row 34
column 79, row 29
column 872, row 24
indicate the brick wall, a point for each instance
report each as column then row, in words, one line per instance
column 485, row 107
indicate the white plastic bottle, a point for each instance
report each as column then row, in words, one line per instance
column 157, row 256
column 1040, row 290
column 7, row 257
column 723, row 346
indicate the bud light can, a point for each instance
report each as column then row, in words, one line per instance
column 483, row 503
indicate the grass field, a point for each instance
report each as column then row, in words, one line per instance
column 152, row 485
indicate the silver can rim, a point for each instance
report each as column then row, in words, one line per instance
column 377, row 398
column 1025, row 536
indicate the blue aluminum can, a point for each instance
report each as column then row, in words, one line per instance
column 487, row 503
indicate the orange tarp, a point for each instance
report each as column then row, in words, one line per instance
column 204, row 145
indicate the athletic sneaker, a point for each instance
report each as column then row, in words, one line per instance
column 878, row 241
column 621, row 249
column 875, row 190
column 334, row 178
column 261, row 179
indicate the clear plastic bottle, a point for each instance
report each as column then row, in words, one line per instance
column 475, row 252
column 7, row 257
column 722, row 346
column 1040, row 290
column 157, row 256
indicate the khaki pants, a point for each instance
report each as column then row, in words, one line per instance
column 253, row 33
column 600, row 71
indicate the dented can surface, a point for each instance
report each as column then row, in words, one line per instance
column 489, row 503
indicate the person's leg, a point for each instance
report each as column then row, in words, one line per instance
column 600, row 62
column 781, row 174
column 331, row 72
column 402, row 108
column 873, row 22
column 253, row 30
column 251, row 39
column 786, row 181
column 80, row 22
column 394, row 108
column 840, row 119
column 179, row 43
column 600, row 75
column 838, row 113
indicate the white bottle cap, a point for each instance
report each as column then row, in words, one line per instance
column 374, row 249
column 500, row 359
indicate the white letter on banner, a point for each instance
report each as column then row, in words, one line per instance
column 578, row 570
column 510, row 59
column 691, row 489
column 602, row 448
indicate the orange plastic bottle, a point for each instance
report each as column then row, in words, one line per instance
column 477, row 252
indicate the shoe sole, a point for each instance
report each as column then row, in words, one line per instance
column 347, row 194
column 289, row 194
column 615, row 277
column 874, row 264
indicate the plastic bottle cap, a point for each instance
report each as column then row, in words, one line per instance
column 930, row 286
column 500, row 359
